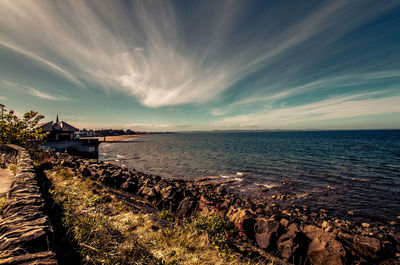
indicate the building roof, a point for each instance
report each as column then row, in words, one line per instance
column 56, row 126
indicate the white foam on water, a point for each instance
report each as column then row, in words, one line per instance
column 226, row 176
column 360, row 179
column 269, row 186
column 233, row 177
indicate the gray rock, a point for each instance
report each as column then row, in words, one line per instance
column 324, row 248
column 266, row 233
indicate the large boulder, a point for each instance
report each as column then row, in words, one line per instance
column 148, row 193
column 129, row 186
column 171, row 197
column 367, row 246
column 266, row 233
column 186, row 207
column 293, row 244
column 119, row 177
column 243, row 219
column 324, row 248
column 168, row 191
column 108, row 181
column 85, row 172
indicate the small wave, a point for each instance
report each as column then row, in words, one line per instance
column 232, row 177
column 360, row 179
column 269, row 186
column 227, row 176
column 120, row 156
column 239, row 174
column 116, row 160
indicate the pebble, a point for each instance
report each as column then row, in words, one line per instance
column 350, row 213
column 365, row 225
column 284, row 222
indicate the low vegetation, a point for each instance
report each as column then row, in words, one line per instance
column 13, row 168
column 2, row 204
column 22, row 131
column 103, row 230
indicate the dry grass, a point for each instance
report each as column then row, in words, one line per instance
column 108, row 232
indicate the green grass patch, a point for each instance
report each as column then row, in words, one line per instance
column 13, row 168
column 2, row 204
column 218, row 227
column 166, row 215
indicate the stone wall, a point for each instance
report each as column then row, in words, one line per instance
column 26, row 235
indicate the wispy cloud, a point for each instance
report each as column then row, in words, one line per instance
column 47, row 63
column 153, row 56
column 39, row 94
column 329, row 109
column 326, row 83
column 33, row 91
column 142, row 127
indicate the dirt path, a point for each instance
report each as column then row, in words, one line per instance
column 6, row 177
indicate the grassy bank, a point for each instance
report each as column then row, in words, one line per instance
column 104, row 230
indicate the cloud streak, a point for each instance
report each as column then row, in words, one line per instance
column 329, row 109
column 39, row 94
column 33, row 91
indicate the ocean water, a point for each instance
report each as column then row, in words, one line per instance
column 341, row 171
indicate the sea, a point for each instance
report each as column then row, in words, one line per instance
column 341, row 171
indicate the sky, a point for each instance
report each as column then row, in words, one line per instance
column 203, row 65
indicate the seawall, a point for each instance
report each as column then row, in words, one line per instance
column 26, row 235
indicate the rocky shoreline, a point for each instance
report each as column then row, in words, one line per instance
column 294, row 234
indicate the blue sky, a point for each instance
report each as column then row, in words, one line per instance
column 203, row 65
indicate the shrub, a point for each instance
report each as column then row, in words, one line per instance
column 219, row 229
column 2, row 204
column 166, row 215
column 22, row 132
column 13, row 168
